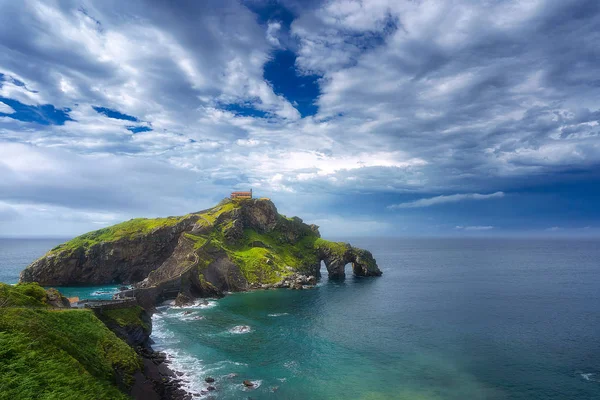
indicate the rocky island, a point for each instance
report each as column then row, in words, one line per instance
column 237, row 245
column 103, row 350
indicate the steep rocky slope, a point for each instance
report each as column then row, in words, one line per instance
column 50, row 351
column 226, row 248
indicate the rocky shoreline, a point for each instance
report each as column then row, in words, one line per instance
column 168, row 383
column 156, row 380
column 159, row 381
column 295, row 282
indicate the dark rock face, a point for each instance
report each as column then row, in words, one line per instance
column 134, row 335
column 204, row 254
column 156, row 380
column 56, row 299
column 183, row 299
column 363, row 263
column 262, row 216
column 121, row 261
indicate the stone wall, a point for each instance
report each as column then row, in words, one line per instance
column 109, row 304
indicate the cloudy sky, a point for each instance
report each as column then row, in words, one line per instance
column 379, row 117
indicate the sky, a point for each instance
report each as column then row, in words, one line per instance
column 379, row 117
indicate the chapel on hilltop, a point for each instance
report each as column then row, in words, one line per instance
column 241, row 195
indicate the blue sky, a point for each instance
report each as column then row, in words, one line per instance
column 381, row 117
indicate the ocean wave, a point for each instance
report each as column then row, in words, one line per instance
column 590, row 376
column 239, row 329
column 199, row 304
column 159, row 329
column 102, row 292
column 184, row 316
column 225, row 363
column 190, row 370
column 278, row 314
column 217, row 368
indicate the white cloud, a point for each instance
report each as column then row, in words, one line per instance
column 5, row 108
column 453, row 198
column 273, row 29
column 415, row 97
column 248, row 142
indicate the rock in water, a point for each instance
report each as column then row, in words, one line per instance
column 233, row 246
column 248, row 383
column 183, row 300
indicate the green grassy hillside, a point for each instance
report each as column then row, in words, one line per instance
column 125, row 230
column 48, row 353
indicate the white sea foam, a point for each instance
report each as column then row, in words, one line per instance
column 104, row 292
column 222, row 366
column 239, row 329
column 159, row 330
column 199, row 304
column 225, row 363
column 191, row 367
column 184, row 316
column 278, row 314
column 589, row 376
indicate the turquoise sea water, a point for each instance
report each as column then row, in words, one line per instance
column 449, row 319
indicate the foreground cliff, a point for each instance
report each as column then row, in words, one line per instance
column 229, row 247
column 49, row 350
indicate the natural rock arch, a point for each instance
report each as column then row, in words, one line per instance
column 336, row 259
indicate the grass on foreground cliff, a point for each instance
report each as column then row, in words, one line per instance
column 130, row 316
column 22, row 295
column 59, row 354
column 128, row 229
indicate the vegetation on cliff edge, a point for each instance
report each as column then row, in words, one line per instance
column 62, row 354
column 130, row 316
column 128, row 230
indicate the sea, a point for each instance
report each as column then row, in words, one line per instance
column 449, row 319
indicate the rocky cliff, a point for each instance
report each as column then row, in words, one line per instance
column 230, row 247
column 49, row 350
